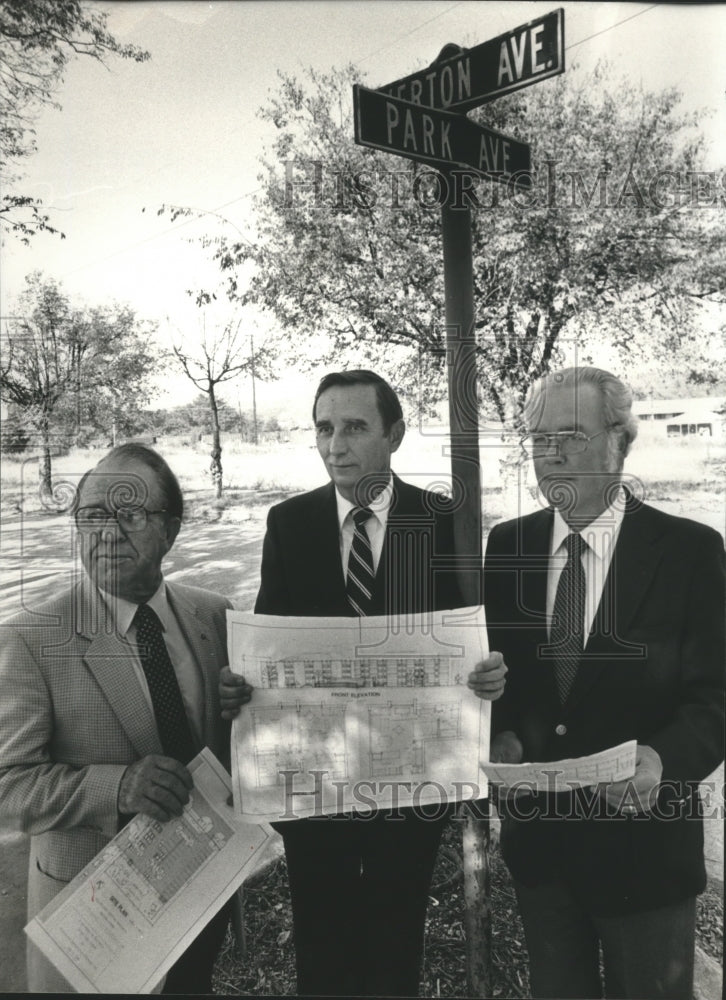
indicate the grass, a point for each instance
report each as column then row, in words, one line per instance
column 256, row 477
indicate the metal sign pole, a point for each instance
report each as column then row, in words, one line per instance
column 423, row 117
column 466, row 477
column 464, row 424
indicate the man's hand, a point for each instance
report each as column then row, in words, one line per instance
column 155, row 785
column 639, row 793
column 234, row 691
column 506, row 748
column 487, row 678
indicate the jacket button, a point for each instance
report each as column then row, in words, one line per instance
column 561, row 730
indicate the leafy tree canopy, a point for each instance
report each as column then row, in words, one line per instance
column 69, row 370
column 619, row 239
column 37, row 40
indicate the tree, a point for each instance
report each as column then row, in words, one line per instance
column 616, row 235
column 37, row 40
column 217, row 357
column 66, row 367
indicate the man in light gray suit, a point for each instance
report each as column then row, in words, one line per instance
column 108, row 691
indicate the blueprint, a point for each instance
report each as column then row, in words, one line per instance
column 354, row 714
column 427, row 650
column 125, row 919
column 615, row 764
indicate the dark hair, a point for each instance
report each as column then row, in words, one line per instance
column 389, row 405
column 158, row 465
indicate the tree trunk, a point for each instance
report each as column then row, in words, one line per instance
column 216, row 465
column 514, row 471
column 477, row 904
column 45, row 481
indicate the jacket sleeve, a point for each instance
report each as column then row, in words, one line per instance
column 38, row 793
column 273, row 597
column 504, row 711
column 691, row 744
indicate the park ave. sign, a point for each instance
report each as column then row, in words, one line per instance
column 525, row 55
column 438, row 137
column 423, row 116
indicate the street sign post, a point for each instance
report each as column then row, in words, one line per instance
column 423, row 117
column 443, row 138
column 535, row 51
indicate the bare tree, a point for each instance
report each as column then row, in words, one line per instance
column 219, row 356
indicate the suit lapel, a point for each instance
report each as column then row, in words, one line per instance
column 398, row 586
column 637, row 554
column 109, row 658
column 200, row 641
column 534, row 544
column 321, row 552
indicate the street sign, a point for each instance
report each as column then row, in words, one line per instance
column 439, row 137
column 516, row 59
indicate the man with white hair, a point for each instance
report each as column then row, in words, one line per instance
column 609, row 614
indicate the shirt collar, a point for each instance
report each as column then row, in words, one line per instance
column 122, row 611
column 379, row 506
column 598, row 533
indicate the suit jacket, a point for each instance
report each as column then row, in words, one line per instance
column 652, row 671
column 73, row 717
column 302, row 573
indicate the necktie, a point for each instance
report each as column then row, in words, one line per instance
column 566, row 636
column 360, row 578
column 171, row 718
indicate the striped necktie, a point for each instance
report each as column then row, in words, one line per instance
column 171, row 717
column 568, row 621
column 361, row 576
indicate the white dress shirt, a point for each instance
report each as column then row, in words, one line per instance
column 601, row 536
column 182, row 658
column 375, row 526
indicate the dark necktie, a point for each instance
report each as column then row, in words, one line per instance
column 171, row 718
column 568, row 623
column 360, row 578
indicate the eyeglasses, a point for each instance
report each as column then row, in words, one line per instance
column 563, row 442
column 92, row 519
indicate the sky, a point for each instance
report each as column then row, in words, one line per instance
column 182, row 129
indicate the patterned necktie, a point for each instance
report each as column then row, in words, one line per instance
column 360, row 579
column 171, row 718
column 568, row 623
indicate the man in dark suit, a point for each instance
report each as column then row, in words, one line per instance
column 360, row 883
column 610, row 617
column 109, row 690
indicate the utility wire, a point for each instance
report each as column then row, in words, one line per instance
column 247, row 194
column 617, row 25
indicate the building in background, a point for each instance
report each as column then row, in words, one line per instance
column 704, row 416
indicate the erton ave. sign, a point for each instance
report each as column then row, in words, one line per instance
column 516, row 59
column 442, row 138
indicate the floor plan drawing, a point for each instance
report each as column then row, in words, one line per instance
column 400, row 735
column 297, row 737
column 350, row 714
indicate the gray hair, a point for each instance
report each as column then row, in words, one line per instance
column 617, row 403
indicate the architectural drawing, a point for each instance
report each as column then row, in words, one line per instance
column 297, row 737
